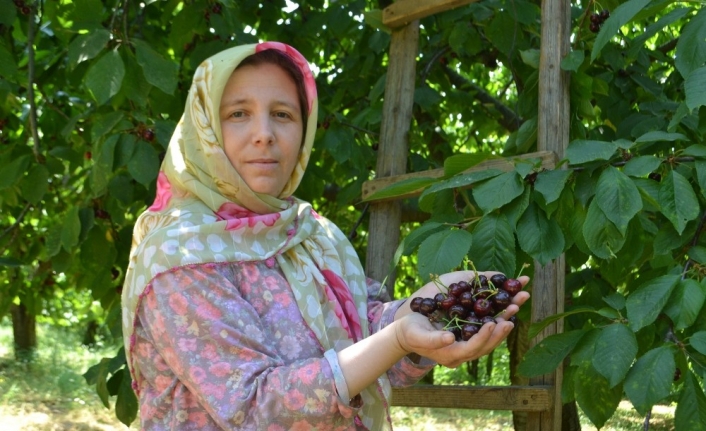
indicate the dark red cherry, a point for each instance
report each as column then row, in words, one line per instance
column 498, row 280
column 512, row 286
column 455, row 289
column 427, row 306
column 439, row 297
column 468, row 330
column 415, row 303
column 482, row 307
column 456, row 310
column 466, row 300
column 501, row 300
column 487, row 319
column 448, row 302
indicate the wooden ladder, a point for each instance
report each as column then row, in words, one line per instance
column 542, row 397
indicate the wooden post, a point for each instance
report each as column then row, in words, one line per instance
column 552, row 135
column 385, row 217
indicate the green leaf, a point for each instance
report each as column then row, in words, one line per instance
column 551, row 183
column 103, row 155
column 647, row 301
column 10, row 262
column 690, row 413
column 415, row 238
column 698, row 342
column 538, row 236
column 582, row 151
column 696, row 150
column 677, row 200
column 641, row 165
column 614, row 352
column 657, row 136
column 650, row 379
column 71, row 229
column 691, row 50
column 685, row 303
column 442, row 252
column 87, row 46
column 13, row 171
column 573, row 61
column 401, row 188
column 159, row 71
column 537, row 327
column 618, row 18
column 597, row 399
column 618, row 197
column 35, row 184
column 545, row 356
column 498, row 191
column 531, row 58
column 601, row 235
column 458, row 181
column 8, row 67
column 105, row 77
column 694, row 88
column 373, row 18
column 460, row 162
column 144, row 164
column 126, row 404
column 697, row 254
column 493, row 245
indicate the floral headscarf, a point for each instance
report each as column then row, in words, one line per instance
column 204, row 212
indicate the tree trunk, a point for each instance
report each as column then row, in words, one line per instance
column 24, row 331
column 570, row 417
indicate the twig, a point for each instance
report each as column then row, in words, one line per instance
column 646, row 425
column 17, row 221
column 360, row 129
column 31, row 32
column 432, row 61
column 357, row 223
column 694, row 242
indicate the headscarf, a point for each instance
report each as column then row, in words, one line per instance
column 205, row 213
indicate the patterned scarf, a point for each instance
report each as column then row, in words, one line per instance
column 204, row 212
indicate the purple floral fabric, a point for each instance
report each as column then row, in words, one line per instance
column 225, row 347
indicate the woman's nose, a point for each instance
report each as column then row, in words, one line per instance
column 263, row 133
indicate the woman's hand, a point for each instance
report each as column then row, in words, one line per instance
column 415, row 333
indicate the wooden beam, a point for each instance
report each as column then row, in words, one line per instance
column 385, row 217
column 552, row 135
column 403, row 12
column 547, row 158
column 515, row 398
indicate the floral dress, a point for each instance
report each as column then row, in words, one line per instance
column 225, row 347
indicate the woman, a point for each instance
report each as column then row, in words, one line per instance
column 242, row 307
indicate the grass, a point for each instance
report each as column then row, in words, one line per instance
column 51, row 395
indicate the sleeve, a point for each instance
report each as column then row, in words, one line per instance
column 381, row 312
column 211, row 339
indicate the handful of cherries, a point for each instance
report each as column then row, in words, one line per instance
column 467, row 305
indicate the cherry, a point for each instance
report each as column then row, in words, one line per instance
column 468, row 330
column 472, row 318
column 604, row 15
column 217, row 8
column 482, row 292
column 501, row 300
column 448, row 302
column 456, row 310
column 456, row 331
column 148, row 135
column 87, row 155
column 427, row 306
column 482, row 307
column 487, row 319
column 455, row 289
column 415, row 303
column 677, row 374
column 512, row 286
column 466, row 300
column 498, row 280
column 594, row 27
column 595, row 18
column 439, row 297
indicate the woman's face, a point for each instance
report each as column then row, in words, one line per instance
column 262, row 126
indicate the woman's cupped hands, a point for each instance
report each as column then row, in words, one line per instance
column 416, row 333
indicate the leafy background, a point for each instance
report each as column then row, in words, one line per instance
column 90, row 92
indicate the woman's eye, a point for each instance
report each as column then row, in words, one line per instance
column 238, row 114
column 282, row 115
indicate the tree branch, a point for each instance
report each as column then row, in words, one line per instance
column 508, row 119
column 31, row 32
column 17, row 221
